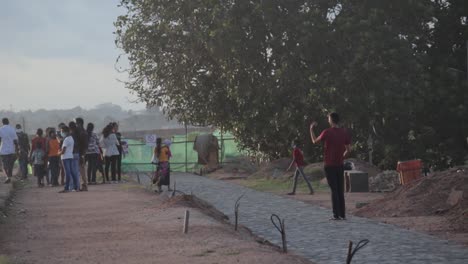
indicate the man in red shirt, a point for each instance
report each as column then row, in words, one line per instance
column 298, row 160
column 337, row 145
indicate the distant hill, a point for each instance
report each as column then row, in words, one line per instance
column 100, row 115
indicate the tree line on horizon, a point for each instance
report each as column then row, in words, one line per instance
column 395, row 70
column 101, row 115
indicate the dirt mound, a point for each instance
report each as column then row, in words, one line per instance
column 187, row 201
column 234, row 168
column 360, row 165
column 443, row 193
column 273, row 169
column 239, row 165
column 176, row 201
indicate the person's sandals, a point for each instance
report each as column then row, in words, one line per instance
column 291, row 193
column 334, row 218
column 8, row 180
column 63, row 191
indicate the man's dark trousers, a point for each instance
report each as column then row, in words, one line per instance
column 335, row 178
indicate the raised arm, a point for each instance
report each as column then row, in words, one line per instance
column 314, row 138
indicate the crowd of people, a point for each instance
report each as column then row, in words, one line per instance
column 59, row 156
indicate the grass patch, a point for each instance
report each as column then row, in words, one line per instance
column 281, row 185
column 232, row 253
column 4, row 259
column 131, row 186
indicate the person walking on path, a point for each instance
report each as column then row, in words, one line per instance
column 23, row 153
column 109, row 143
column 53, row 154
column 120, row 148
column 337, row 145
column 72, row 179
column 82, row 137
column 92, row 153
column 163, row 171
column 8, row 148
column 38, row 160
column 298, row 160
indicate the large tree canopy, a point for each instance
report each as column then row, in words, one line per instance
column 264, row 69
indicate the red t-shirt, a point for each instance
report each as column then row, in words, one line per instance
column 335, row 139
column 34, row 141
column 298, row 157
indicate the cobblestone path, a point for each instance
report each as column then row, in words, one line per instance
column 312, row 235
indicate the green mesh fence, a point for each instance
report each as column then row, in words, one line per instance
column 184, row 158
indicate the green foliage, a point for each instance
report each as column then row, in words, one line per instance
column 265, row 69
column 4, row 259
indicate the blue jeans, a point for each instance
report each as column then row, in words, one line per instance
column 76, row 168
column 300, row 172
column 23, row 166
column 72, row 179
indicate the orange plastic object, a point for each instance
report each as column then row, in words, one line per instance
column 409, row 171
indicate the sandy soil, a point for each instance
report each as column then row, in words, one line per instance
column 120, row 224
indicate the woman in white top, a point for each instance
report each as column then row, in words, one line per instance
column 110, row 145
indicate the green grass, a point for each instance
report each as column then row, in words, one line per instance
column 204, row 253
column 281, row 185
column 130, row 186
column 4, row 260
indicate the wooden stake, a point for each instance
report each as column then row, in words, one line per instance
column 350, row 248
column 186, row 221
column 283, row 237
column 236, row 211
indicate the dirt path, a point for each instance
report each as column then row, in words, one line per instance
column 119, row 224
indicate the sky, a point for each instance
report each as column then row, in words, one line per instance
column 57, row 54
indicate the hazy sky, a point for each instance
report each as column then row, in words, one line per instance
column 59, row 54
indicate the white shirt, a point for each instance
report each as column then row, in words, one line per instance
column 68, row 143
column 8, row 136
column 109, row 145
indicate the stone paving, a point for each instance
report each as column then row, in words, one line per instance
column 312, row 235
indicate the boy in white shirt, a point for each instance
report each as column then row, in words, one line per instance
column 68, row 162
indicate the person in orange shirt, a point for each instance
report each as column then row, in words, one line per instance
column 163, row 152
column 53, row 154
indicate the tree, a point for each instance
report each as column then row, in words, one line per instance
column 264, row 69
